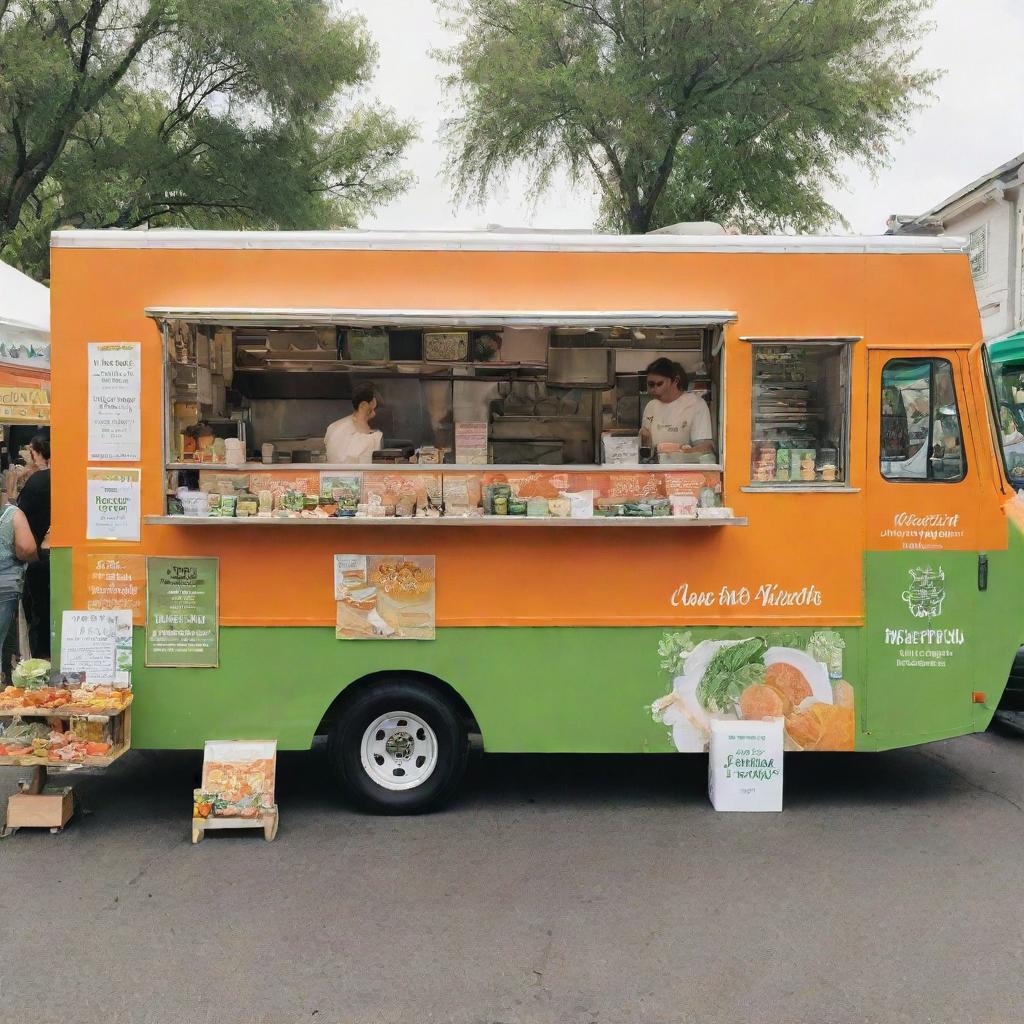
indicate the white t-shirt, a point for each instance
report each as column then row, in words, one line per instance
column 346, row 444
column 686, row 420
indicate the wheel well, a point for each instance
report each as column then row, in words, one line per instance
column 361, row 685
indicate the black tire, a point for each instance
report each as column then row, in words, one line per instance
column 397, row 698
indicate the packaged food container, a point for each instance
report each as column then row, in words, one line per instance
column 499, row 503
column 537, row 507
column 516, row 507
column 683, row 506
column 827, row 464
column 721, row 512
column 581, row 504
column 560, row 507
column 196, row 504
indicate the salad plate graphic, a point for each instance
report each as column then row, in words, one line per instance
column 757, row 678
column 926, row 592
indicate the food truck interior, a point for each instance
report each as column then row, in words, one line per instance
column 556, row 393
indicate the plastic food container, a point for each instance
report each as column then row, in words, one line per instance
column 684, row 506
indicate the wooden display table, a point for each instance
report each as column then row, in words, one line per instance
column 35, row 805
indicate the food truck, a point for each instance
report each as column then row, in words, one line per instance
column 517, row 558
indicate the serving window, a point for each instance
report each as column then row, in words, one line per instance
column 800, row 398
column 472, row 392
column 473, row 418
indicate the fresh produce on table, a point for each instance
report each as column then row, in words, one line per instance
column 31, row 673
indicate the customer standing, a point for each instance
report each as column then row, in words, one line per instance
column 17, row 546
column 35, row 503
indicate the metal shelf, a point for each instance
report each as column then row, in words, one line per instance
column 448, row 521
column 446, row 467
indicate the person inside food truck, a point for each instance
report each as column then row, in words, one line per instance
column 675, row 419
column 351, row 439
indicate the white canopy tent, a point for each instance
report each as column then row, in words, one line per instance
column 24, row 348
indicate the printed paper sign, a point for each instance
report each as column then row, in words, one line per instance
column 385, row 597
column 182, row 608
column 745, row 765
column 116, row 581
column 115, row 374
column 471, row 443
column 98, row 644
column 114, row 504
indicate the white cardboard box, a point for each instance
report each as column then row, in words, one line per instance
column 745, row 765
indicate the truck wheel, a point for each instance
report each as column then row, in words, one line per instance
column 399, row 748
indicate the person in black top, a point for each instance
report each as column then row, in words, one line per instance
column 35, row 503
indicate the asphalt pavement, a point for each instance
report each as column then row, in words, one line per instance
column 557, row 889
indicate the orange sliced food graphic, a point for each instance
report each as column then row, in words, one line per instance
column 789, row 681
column 759, row 702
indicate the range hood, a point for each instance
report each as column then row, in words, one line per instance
column 581, row 367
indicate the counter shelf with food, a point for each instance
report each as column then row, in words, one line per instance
column 451, row 496
column 64, row 738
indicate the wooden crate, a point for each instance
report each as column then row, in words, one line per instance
column 52, row 808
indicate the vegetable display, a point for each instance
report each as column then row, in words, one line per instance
column 730, row 672
column 758, row 678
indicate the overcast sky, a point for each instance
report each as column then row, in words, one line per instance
column 975, row 124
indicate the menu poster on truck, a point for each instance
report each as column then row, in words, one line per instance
column 115, row 374
column 98, row 645
column 182, row 612
column 114, row 504
column 116, row 581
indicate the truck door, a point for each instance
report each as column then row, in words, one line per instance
column 921, row 553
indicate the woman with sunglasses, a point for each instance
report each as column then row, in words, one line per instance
column 674, row 415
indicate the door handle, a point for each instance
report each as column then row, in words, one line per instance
column 983, row 572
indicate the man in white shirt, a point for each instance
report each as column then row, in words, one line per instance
column 674, row 415
column 350, row 440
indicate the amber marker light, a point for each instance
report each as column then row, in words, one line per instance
column 978, row 697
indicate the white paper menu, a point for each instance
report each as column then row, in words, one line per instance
column 115, row 374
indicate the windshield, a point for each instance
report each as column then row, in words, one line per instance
column 1006, row 373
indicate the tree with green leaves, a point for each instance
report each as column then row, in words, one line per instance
column 194, row 113
column 738, row 111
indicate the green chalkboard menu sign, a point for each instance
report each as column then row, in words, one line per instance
column 182, row 612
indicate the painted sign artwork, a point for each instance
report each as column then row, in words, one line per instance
column 385, row 597
column 238, row 779
column 762, row 676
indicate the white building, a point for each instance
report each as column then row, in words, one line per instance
column 989, row 213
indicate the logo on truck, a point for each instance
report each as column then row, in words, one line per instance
column 926, row 592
